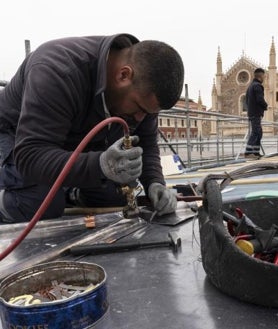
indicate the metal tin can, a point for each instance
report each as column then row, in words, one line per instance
column 77, row 312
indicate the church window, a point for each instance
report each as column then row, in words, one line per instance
column 243, row 78
column 242, row 105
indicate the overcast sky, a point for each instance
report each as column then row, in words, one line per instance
column 195, row 28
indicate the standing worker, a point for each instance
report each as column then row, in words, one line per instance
column 59, row 93
column 256, row 105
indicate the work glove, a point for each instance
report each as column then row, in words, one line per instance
column 122, row 165
column 163, row 200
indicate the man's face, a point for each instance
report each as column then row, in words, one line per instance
column 261, row 76
column 127, row 101
column 131, row 103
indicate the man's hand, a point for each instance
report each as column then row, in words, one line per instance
column 120, row 165
column 163, row 200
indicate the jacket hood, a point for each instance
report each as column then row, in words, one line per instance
column 103, row 54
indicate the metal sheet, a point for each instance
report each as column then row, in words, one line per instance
column 154, row 288
column 157, row 289
column 52, row 237
column 181, row 215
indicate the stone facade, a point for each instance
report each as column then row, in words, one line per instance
column 228, row 92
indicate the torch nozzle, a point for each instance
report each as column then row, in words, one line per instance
column 127, row 142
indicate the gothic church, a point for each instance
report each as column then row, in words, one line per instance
column 228, row 92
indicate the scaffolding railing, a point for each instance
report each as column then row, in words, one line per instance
column 222, row 147
column 192, row 151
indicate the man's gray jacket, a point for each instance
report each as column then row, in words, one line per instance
column 54, row 100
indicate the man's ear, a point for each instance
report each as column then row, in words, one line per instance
column 125, row 75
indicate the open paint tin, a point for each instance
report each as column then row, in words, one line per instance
column 84, row 309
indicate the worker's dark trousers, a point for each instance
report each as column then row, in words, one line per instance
column 19, row 200
column 254, row 142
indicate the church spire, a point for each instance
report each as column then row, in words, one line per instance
column 214, row 90
column 272, row 55
column 219, row 62
column 214, row 104
column 200, row 103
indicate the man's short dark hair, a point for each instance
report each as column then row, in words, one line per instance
column 259, row 70
column 158, row 69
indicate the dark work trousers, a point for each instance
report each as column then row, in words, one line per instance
column 19, row 200
column 254, row 142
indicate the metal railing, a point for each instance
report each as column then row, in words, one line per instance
column 216, row 148
column 203, row 150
